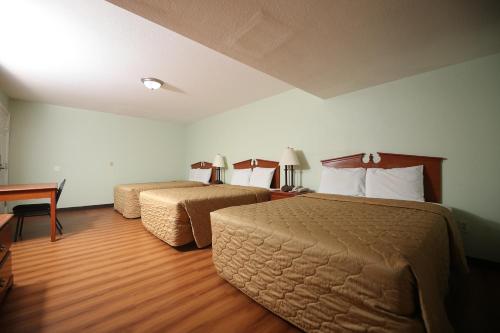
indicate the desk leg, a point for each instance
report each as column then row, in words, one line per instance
column 53, row 216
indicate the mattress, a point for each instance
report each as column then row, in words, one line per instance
column 330, row 263
column 181, row 215
column 126, row 196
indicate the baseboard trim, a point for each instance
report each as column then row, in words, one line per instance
column 85, row 207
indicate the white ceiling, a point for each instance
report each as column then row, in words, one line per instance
column 331, row 47
column 91, row 54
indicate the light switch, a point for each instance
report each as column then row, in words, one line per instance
column 57, row 168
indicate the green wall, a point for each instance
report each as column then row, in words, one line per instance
column 453, row 112
column 84, row 144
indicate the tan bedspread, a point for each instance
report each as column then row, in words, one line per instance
column 331, row 263
column 177, row 216
column 126, row 196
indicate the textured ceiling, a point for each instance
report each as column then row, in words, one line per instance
column 91, row 54
column 330, row 47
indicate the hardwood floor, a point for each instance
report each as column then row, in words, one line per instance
column 107, row 274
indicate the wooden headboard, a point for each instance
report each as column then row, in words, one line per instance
column 432, row 168
column 205, row 165
column 252, row 163
column 246, row 164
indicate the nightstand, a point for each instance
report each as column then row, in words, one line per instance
column 276, row 195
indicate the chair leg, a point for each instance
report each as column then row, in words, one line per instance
column 17, row 228
column 59, row 223
column 21, row 228
column 58, row 229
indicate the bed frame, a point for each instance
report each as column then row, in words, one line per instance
column 205, row 165
column 253, row 163
column 432, row 168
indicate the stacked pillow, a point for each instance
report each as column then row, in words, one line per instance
column 258, row 177
column 200, row 175
column 344, row 181
column 396, row 183
column 241, row 177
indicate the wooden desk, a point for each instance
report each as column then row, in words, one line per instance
column 33, row 191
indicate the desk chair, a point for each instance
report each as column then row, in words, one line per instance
column 22, row 211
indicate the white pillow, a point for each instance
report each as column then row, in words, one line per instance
column 397, row 183
column 344, row 181
column 241, row 177
column 193, row 174
column 204, row 175
column 261, row 177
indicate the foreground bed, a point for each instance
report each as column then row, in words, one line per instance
column 126, row 196
column 330, row 263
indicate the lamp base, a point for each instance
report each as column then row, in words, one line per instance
column 286, row 188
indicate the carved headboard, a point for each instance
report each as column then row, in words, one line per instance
column 432, row 168
column 252, row 163
column 205, row 165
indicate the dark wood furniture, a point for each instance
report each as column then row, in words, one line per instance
column 246, row 164
column 33, row 191
column 205, row 165
column 432, row 168
column 6, row 277
column 276, row 195
column 253, row 163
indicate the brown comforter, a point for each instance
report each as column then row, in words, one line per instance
column 126, row 196
column 331, row 263
column 177, row 216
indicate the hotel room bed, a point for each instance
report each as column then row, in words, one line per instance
column 126, row 196
column 330, row 263
column 179, row 216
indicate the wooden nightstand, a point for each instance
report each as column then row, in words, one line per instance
column 276, row 195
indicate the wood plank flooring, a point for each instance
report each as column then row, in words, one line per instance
column 107, row 274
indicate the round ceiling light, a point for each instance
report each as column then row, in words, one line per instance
column 151, row 83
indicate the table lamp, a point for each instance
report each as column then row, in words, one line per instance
column 289, row 160
column 218, row 165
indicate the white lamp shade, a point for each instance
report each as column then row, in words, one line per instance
column 218, row 161
column 289, row 157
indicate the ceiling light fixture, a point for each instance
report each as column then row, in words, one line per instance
column 151, row 83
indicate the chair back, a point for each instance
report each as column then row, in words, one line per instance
column 59, row 190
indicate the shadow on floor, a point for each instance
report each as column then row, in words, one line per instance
column 473, row 303
column 32, row 296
